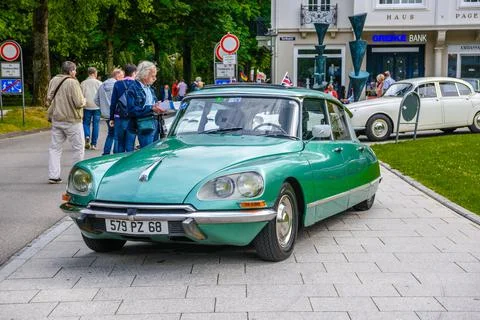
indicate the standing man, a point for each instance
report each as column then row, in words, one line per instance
column 388, row 81
column 175, row 90
column 65, row 111
column 91, row 114
column 182, row 90
column 119, row 113
column 103, row 99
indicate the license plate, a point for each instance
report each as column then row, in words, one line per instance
column 136, row 227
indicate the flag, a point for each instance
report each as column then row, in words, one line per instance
column 286, row 81
column 243, row 76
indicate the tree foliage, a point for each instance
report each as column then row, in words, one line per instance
column 178, row 35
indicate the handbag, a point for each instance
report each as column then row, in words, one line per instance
column 146, row 125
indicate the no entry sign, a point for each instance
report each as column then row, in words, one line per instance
column 229, row 43
column 10, row 50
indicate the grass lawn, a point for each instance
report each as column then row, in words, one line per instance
column 449, row 165
column 35, row 118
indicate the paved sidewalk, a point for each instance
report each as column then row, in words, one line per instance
column 409, row 257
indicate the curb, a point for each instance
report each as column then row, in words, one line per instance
column 432, row 194
column 21, row 133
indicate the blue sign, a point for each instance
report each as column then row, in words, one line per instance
column 11, row 86
column 222, row 81
column 389, row 38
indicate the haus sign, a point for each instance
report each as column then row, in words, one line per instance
column 420, row 37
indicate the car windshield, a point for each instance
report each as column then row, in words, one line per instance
column 238, row 115
column 398, row 89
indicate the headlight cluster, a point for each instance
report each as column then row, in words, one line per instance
column 79, row 182
column 235, row 186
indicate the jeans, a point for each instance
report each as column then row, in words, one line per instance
column 90, row 116
column 125, row 138
column 110, row 140
column 60, row 132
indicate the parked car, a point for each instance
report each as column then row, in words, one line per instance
column 241, row 163
column 474, row 82
column 445, row 104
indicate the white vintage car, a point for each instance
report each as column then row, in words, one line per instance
column 445, row 104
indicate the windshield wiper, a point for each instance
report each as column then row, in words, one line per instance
column 222, row 130
column 280, row 135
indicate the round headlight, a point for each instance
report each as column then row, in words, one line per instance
column 224, row 187
column 81, row 180
column 249, row 184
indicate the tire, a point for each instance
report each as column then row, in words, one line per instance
column 277, row 239
column 365, row 205
column 379, row 128
column 475, row 126
column 448, row 130
column 103, row 245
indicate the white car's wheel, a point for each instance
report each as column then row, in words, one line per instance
column 379, row 128
column 475, row 126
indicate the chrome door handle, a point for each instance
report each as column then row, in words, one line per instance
column 339, row 149
column 361, row 149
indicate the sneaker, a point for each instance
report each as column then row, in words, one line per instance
column 93, row 147
column 87, row 143
column 55, row 181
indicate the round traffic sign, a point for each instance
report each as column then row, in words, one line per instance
column 230, row 43
column 410, row 105
column 219, row 53
column 10, row 50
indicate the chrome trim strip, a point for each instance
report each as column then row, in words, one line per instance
column 209, row 217
column 112, row 205
column 145, row 175
column 343, row 194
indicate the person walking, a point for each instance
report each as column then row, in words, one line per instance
column 388, row 81
column 103, row 100
column 182, row 90
column 65, row 111
column 119, row 119
column 91, row 116
column 379, row 85
column 142, row 103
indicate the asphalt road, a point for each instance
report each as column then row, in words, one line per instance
column 28, row 204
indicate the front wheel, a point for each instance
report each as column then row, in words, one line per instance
column 277, row 239
column 379, row 128
column 103, row 245
column 365, row 205
column 475, row 126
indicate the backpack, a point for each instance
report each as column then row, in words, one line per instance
column 121, row 107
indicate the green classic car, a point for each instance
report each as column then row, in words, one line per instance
column 240, row 163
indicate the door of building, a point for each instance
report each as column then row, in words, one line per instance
column 402, row 62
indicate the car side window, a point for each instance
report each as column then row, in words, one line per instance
column 448, row 89
column 463, row 89
column 426, row 90
column 313, row 113
column 338, row 120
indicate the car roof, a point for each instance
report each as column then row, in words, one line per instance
column 260, row 89
column 430, row 79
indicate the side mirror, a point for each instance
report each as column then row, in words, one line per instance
column 322, row 131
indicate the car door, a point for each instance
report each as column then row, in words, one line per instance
column 431, row 114
column 456, row 103
column 327, row 164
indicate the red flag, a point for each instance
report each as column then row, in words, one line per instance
column 286, row 81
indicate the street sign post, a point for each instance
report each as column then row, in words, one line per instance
column 225, row 52
column 10, row 51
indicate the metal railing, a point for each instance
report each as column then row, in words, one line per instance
column 318, row 13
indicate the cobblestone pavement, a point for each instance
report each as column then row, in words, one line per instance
column 409, row 257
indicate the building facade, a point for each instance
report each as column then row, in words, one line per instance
column 409, row 38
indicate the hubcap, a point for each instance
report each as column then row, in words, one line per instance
column 284, row 221
column 380, row 128
column 476, row 121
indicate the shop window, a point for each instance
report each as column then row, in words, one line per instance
column 452, row 65
column 470, row 66
column 448, row 89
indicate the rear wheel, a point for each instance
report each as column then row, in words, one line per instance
column 365, row 205
column 379, row 128
column 277, row 239
column 475, row 126
column 103, row 245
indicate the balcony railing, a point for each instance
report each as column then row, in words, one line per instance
column 319, row 14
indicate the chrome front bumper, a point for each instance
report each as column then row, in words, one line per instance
column 143, row 212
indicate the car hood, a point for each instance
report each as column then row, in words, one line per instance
column 373, row 102
column 177, row 165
